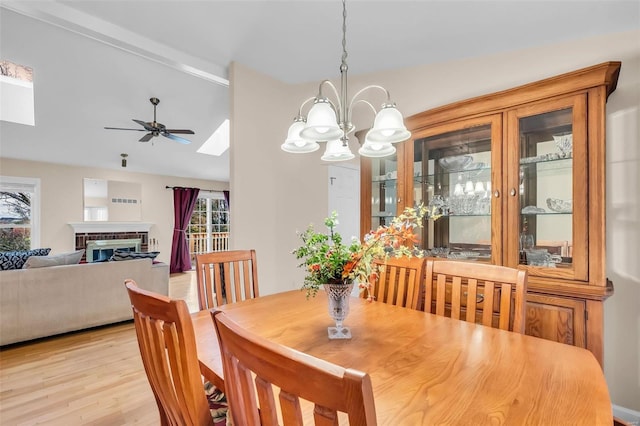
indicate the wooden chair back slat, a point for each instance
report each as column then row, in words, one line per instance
column 441, row 295
column 455, row 298
column 291, row 410
column 168, row 349
column 487, row 312
column 505, row 305
column 488, row 294
column 472, row 300
column 297, row 376
column 268, row 414
column 323, row 417
column 248, row 289
column 399, row 282
column 226, row 277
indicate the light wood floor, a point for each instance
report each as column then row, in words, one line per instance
column 93, row 377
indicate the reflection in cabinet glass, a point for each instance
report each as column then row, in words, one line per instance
column 384, row 194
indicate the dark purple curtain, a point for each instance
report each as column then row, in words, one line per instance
column 184, row 201
column 226, row 198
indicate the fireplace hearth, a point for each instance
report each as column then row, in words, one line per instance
column 92, row 232
column 102, row 250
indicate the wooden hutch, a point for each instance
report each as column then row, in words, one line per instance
column 514, row 178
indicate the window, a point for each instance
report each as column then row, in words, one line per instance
column 17, row 101
column 19, row 213
column 209, row 226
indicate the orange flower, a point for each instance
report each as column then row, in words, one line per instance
column 327, row 259
column 348, row 267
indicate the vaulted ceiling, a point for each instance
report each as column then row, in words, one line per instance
column 97, row 63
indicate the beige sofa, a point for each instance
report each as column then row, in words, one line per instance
column 42, row 302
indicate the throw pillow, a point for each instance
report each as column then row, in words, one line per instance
column 131, row 255
column 16, row 259
column 71, row 258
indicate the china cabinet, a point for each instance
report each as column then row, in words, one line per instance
column 383, row 188
column 514, row 178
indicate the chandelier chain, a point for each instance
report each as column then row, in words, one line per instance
column 344, row 33
column 329, row 120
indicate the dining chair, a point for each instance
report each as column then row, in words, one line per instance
column 226, row 277
column 168, row 348
column 399, row 281
column 255, row 367
column 491, row 295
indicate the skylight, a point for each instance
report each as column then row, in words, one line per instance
column 16, row 86
column 218, row 143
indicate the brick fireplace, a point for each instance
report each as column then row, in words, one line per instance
column 86, row 232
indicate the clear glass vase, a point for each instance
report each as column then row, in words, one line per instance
column 338, row 296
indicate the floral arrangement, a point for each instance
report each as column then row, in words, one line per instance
column 327, row 259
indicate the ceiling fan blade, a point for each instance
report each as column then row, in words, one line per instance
column 143, row 124
column 180, row 131
column 176, row 138
column 146, row 137
column 122, row 128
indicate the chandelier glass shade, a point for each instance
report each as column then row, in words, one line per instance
column 376, row 149
column 321, row 122
column 294, row 142
column 329, row 120
column 337, row 151
column 388, row 126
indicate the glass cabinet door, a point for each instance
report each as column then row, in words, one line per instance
column 548, row 188
column 455, row 172
column 384, row 190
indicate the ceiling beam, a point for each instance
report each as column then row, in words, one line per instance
column 73, row 20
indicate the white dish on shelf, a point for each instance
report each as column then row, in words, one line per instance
column 455, row 163
column 528, row 160
column 560, row 206
column 546, row 157
column 463, row 255
column 475, row 166
column 533, row 210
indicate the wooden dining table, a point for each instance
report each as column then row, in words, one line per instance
column 428, row 369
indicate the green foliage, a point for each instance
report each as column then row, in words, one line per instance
column 16, row 236
column 325, row 256
column 328, row 260
column 15, row 239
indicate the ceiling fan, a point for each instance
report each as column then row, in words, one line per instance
column 156, row 129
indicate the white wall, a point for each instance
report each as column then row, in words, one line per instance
column 275, row 193
column 62, row 200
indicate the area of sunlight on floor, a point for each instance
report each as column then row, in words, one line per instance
column 183, row 286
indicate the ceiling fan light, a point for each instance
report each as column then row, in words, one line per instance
column 322, row 124
column 336, row 151
column 388, row 126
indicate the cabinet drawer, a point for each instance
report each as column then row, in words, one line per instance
column 560, row 319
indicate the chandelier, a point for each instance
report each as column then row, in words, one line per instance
column 329, row 120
